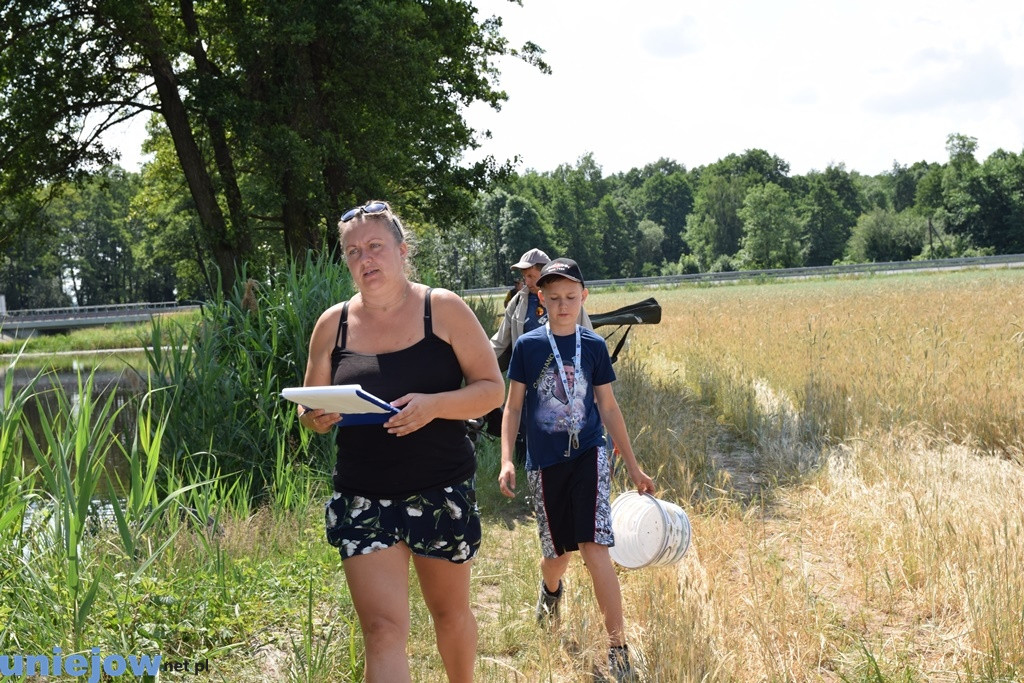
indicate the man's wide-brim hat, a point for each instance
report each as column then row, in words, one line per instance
column 534, row 257
column 561, row 267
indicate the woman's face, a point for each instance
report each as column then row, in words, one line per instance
column 372, row 252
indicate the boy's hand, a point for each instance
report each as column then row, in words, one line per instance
column 643, row 483
column 507, row 479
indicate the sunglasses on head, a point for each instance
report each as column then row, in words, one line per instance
column 369, row 209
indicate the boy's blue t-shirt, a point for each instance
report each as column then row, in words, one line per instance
column 546, row 405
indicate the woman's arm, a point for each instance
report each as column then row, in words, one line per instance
column 318, row 370
column 454, row 322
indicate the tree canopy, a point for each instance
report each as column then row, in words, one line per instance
column 277, row 113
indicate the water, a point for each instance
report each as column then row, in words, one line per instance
column 40, row 408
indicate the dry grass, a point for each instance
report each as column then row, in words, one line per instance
column 877, row 544
column 944, row 351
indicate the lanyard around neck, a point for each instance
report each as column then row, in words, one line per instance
column 570, row 393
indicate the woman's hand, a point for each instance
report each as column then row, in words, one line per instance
column 416, row 411
column 319, row 421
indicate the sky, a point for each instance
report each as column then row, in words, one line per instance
column 815, row 82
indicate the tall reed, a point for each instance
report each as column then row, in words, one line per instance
column 15, row 482
column 71, row 470
column 225, row 385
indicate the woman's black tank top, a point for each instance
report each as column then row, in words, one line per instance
column 372, row 462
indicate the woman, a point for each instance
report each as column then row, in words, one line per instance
column 403, row 489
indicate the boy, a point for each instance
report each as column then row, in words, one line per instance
column 563, row 373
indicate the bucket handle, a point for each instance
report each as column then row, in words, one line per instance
column 666, row 525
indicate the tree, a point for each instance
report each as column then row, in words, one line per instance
column 828, row 223
column 30, row 272
column 667, row 200
column 928, row 195
column 575, row 192
column 753, row 167
column 842, row 183
column 961, row 210
column 170, row 231
column 521, row 230
column 649, row 253
column 460, row 257
column 488, row 217
column 99, row 240
column 619, row 242
column 714, row 228
column 996, row 193
column 905, row 182
column 882, row 236
column 772, row 229
column 279, row 112
column 85, row 247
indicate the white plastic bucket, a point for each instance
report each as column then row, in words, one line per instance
column 648, row 531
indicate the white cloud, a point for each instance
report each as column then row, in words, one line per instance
column 671, row 40
column 814, row 82
column 949, row 79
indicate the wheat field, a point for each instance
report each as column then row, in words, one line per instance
column 849, row 454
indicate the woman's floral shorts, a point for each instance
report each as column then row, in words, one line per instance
column 442, row 523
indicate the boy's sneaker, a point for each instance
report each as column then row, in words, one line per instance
column 547, row 603
column 619, row 667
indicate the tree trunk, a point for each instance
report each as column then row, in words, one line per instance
column 215, row 126
column 200, row 185
column 299, row 229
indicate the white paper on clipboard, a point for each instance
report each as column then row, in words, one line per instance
column 347, row 399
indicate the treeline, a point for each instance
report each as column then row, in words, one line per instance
column 265, row 119
column 744, row 211
column 120, row 237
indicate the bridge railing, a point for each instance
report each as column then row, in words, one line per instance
column 86, row 311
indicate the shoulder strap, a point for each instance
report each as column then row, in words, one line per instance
column 622, row 341
column 342, row 337
column 428, row 328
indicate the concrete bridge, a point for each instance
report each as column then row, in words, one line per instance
column 22, row 323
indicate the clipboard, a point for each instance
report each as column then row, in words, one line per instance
column 357, row 407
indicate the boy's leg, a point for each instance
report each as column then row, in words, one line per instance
column 555, row 529
column 606, row 590
column 553, row 569
column 593, row 520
